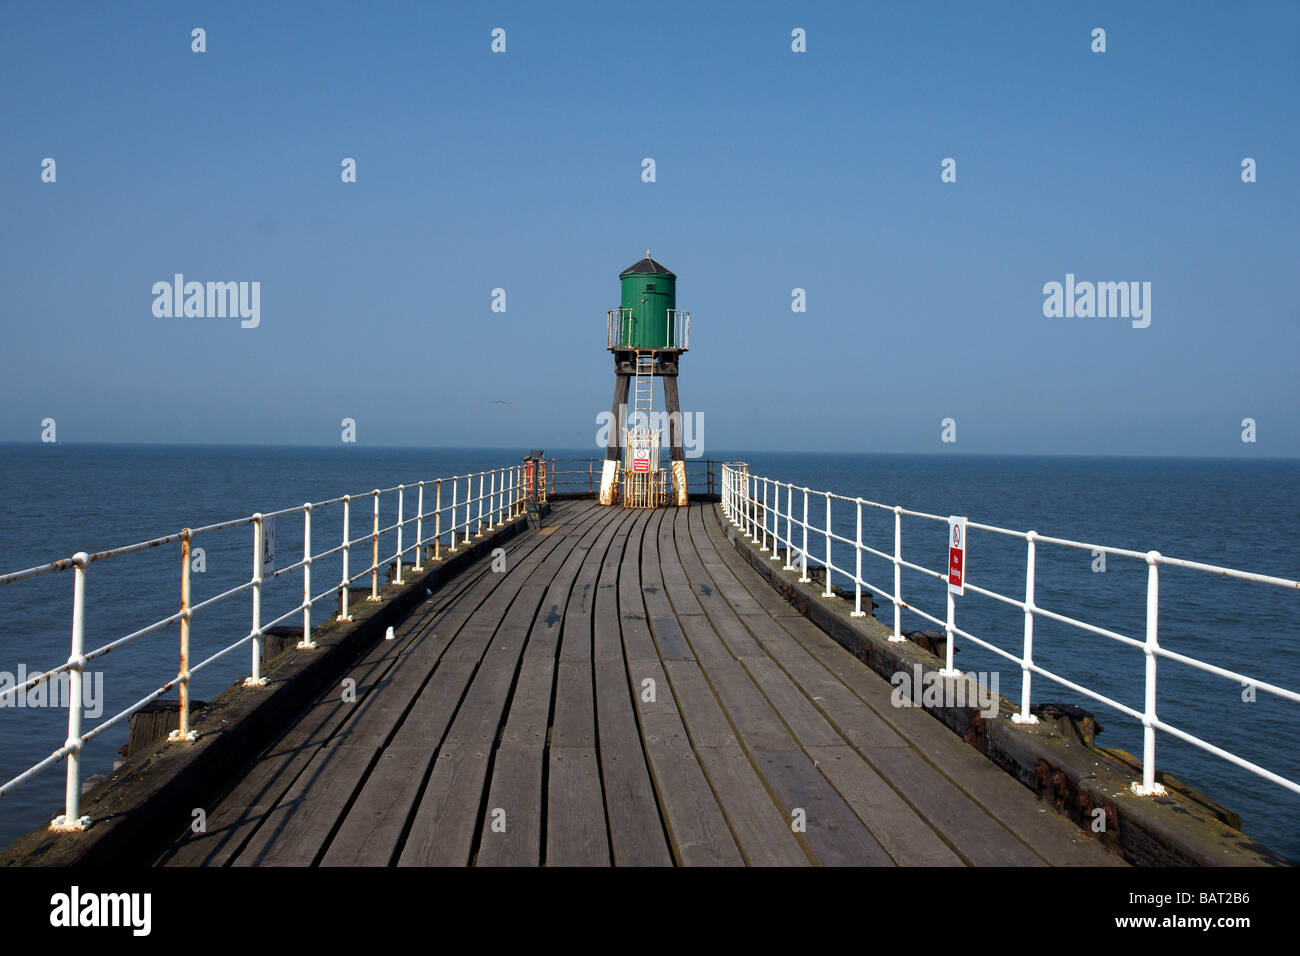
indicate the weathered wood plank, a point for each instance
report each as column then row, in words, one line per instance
column 668, row 637
column 636, row 832
column 371, row 832
column 443, row 831
column 834, row 834
column 761, row 829
column 697, row 829
column 638, row 645
column 575, row 822
column 670, row 566
column 512, row 828
column 903, row 833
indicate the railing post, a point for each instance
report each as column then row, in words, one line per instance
column 591, row 476
column 437, row 522
column 401, row 519
column 344, row 614
column 492, row 502
column 480, row 504
column 742, row 505
column 753, row 508
column 255, row 679
column 306, row 643
column 1027, row 660
column 374, row 549
column 745, row 508
column 455, row 487
column 71, row 818
column 419, row 529
column 183, row 675
column 897, row 636
column 803, row 552
column 789, row 534
column 948, row 670
column 1148, row 787
column 857, row 573
column 776, row 520
column 751, row 493
column 469, row 505
column 739, row 497
column 828, row 545
column 763, row 543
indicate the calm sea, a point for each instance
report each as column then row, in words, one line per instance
column 59, row 499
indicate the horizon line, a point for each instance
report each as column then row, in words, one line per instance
column 597, row 452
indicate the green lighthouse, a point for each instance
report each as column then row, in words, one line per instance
column 647, row 334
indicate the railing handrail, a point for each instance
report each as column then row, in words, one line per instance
column 681, row 325
column 745, row 505
column 501, row 497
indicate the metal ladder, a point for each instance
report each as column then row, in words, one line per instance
column 643, row 391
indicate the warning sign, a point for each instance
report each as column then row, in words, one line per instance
column 641, row 465
column 957, row 555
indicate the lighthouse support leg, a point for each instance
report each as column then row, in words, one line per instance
column 675, row 439
column 613, row 445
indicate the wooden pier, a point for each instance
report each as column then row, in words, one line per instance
column 627, row 691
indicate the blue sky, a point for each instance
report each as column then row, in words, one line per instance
column 775, row 170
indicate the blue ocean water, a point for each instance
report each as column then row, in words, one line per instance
column 59, row 499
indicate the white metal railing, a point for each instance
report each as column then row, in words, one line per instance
column 753, row 504
column 678, row 335
column 500, row 497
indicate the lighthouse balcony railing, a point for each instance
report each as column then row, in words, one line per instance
column 797, row 526
column 618, row 324
column 448, row 513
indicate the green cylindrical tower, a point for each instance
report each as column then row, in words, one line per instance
column 649, row 306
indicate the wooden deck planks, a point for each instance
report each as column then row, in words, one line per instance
column 1045, row 835
column 445, row 824
column 834, row 834
column 242, row 809
column 631, row 692
column 303, row 822
column 636, row 832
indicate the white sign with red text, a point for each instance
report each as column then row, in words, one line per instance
column 957, row 555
